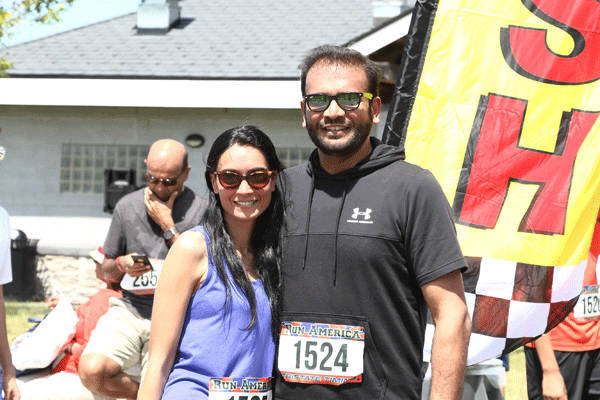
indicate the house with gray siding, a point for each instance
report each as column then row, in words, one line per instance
column 95, row 98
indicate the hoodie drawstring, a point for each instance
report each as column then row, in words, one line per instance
column 379, row 157
column 337, row 228
column 310, row 200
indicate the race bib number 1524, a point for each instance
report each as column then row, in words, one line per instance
column 321, row 353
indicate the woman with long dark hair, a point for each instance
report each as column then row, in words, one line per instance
column 216, row 305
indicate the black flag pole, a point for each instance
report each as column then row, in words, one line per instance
column 409, row 73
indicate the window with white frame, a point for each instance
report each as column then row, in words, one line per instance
column 292, row 156
column 82, row 165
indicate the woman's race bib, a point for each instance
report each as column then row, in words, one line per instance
column 239, row 389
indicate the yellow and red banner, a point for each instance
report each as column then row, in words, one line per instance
column 501, row 101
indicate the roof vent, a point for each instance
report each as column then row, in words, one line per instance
column 156, row 17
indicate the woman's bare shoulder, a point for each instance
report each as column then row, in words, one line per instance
column 191, row 243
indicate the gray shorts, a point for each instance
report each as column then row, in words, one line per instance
column 123, row 337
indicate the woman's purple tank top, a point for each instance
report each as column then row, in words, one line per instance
column 214, row 342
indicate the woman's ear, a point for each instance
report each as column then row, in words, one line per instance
column 274, row 180
column 213, row 181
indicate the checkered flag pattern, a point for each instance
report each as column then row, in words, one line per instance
column 512, row 303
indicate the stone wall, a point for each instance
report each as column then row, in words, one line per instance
column 72, row 276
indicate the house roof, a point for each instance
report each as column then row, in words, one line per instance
column 386, row 41
column 245, row 55
column 237, row 39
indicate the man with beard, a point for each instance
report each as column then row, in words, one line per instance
column 369, row 244
column 146, row 222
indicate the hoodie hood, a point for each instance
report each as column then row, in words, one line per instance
column 379, row 157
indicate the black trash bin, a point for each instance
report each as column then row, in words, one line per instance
column 23, row 253
column 117, row 183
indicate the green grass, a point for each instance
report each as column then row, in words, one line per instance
column 516, row 388
column 17, row 313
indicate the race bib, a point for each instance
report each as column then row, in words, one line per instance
column 143, row 284
column 239, row 389
column 588, row 305
column 320, row 353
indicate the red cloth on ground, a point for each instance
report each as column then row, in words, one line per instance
column 88, row 313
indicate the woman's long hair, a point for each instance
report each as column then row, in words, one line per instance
column 266, row 233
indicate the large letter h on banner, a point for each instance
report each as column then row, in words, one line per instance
column 494, row 159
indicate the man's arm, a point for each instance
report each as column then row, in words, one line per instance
column 553, row 384
column 114, row 273
column 446, row 299
column 109, row 270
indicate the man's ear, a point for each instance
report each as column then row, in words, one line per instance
column 303, row 110
column 376, row 109
column 186, row 173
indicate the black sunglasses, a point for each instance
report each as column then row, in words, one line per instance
column 232, row 180
column 347, row 101
column 167, row 181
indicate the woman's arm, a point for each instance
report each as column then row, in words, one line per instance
column 182, row 273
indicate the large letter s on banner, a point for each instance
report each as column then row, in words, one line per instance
column 526, row 52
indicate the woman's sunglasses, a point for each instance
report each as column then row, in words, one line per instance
column 232, row 180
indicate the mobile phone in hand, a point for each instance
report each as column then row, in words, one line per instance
column 141, row 258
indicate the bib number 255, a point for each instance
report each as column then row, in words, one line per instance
column 148, row 279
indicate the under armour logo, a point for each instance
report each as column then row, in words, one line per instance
column 366, row 216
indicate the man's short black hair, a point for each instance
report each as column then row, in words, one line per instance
column 331, row 54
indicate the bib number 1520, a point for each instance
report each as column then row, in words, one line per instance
column 588, row 305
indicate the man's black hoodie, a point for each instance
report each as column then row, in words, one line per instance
column 357, row 247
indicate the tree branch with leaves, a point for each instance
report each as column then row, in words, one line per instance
column 41, row 11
